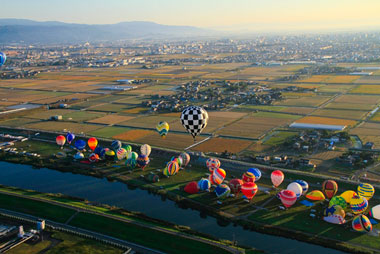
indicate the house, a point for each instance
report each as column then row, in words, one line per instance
column 263, row 158
column 56, row 118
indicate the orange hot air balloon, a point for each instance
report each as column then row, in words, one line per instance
column 61, row 140
column 249, row 190
column 92, row 143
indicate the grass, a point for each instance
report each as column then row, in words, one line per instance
column 108, row 132
column 110, row 107
column 279, row 137
column 366, row 89
column 223, row 144
column 348, row 114
column 325, row 120
column 111, row 119
column 63, row 126
column 82, row 116
column 304, row 101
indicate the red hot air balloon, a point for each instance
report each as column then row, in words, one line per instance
column 277, row 177
column 92, row 143
column 235, row 185
column 192, row 187
column 60, row 140
column 329, row 188
column 288, row 198
column 249, row 190
column 248, row 177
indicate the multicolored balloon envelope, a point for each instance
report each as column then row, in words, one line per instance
column 192, row 187
column 329, row 188
column 235, row 185
column 222, row 191
column 348, row 195
column 142, row 161
column 121, row 153
column 375, row 212
column 110, row 155
column 115, row 145
column 3, row 58
column 185, row 158
column 93, row 157
column 361, row 223
column 277, row 177
column 334, row 209
column 153, row 178
column 248, row 177
column 194, row 119
column 334, row 219
column 358, row 204
column 127, row 148
column 366, row 190
column 218, row 175
column 60, row 140
column 338, row 200
column 296, row 188
column 92, row 143
column 315, row 195
column 249, row 190
column 145, row 149
column 212, row 163
column 287, row 197
column 204, row 184
column 256, row 172
column 162, row 128
column 178, row 160
column 171, row 168
column 304, row 185
column 131, row 161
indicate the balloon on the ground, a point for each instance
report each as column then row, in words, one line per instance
column 222, row 191
column 70, row 137
column 338, row 200
column 315, row 195
column 334, row 209
column 348, row 195
column 115, row 145
column 304, row 185
column 93, row 157
column 60, row 140
column 211, row 179
column 153, row 178
column 142, row 161
column 80, row 144
column 171, row 168
column 296, row 188
column 92, row 143
column 277, row 177
column 256, row 172
column 98, row 150
column 61, row 155
column 110, row 155
column 249, row 190
column 212, row 163
column 3, row 58
column 162, row 128
column 329, row 188
column 375, row 212
column 248, row 177
column 178, row 160
column 192, row 187
column 358, row 204
column 121, row 153
column 78, row 156
column 218, row 175
column 127, row 148
column 334, row 219
column 131, row 161
column 204, row 184
column 235, row 185
column 287, row 197
column 361, row 223
column 194, row 119
column 145, row 149
column 185, row 158
column 366, row 190
column 102, row 153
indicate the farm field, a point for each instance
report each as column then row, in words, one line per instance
column 331, row 88
column 342, row 79
column 62, row 126
column 366, row 89
column 374, row 79
column 46, row 114
column 221, row 145
column 346, row 114
column 304, row 101
column 111, row 119
column 376, row 117
column 109, row 107
column 325, row 120
column 82, row 116
column 149, row 121
column 368, row 132
column 133, row 135
column 108, row 132
column 315, row 78
column 172, row 140
column 278, row 137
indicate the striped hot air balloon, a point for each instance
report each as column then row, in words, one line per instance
column 304, row 185
column 329, row 188
column 277, row 177
column 185, row 158
column 218, row 175
column 162, row 129
column 235, row 185
column 171, row 168
column 142, row 161
column 248, row 177
column 145, row 149
column 256, row 172
column 131, row 161
column 358, row 204
column 366, row 190
column 121, row 154
column 361, row 223
column 222, row 191
column 315, row 195
column 212, row 164
column 288, row 198
column 249, row 190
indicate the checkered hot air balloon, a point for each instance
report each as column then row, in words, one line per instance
column 162, row 129
column 194, row 119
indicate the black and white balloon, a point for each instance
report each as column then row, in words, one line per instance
column 194, row 119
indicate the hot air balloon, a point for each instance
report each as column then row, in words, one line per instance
column 212, row 163
column 92, row 143
column 329, row 188
column 61, row 140
column 127, row 148
column 315, row 195
column 235, row 185
column 296, row 188
column 204, row 184
column 171, row 168
column 366, row 190
column 222, row 191
column 153, row 178
column 102, row 153
column 361, row 223
column 142, row 161
column 70, row 137
column 121, row 154
column 304, row 185
column 78, row 156
column 334, row 209
column 358, row 204
column 218, row 175
column 80, row 144
column 334, row 219
column 348, row 195
column 248, row 177
column 185, row 158
column 194, row 119
column 3, row 58
column 256, row 172
column 131, row 161
column 163, row 129
column 288, row 198
column 110, row 155
column 145, row 149
column 338, row 200
column 93, row 157
column 211, row 179
column 178, row 160
column 375, row 212
column 98, row 150
column 115, row 145
column 61, row 155
column 249, row 190
column 192, row 187
column 277, row 177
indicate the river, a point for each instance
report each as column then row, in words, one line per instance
column 115, row 193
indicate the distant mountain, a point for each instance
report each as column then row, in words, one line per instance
column 29, row 31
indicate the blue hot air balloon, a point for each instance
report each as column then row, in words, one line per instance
column 115, row 145
column 70, row 137
column 98, row 150
column 256, row 172
column 3, row 58
column 80, row 144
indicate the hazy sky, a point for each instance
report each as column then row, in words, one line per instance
column 248, row 14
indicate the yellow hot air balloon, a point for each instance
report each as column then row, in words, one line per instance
column 163, row 129
column 348, row 195
column 366, row 190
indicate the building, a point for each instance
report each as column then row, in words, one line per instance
column 318, row 126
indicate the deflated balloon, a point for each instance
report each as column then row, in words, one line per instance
column 78, row 156
column 192, row 187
